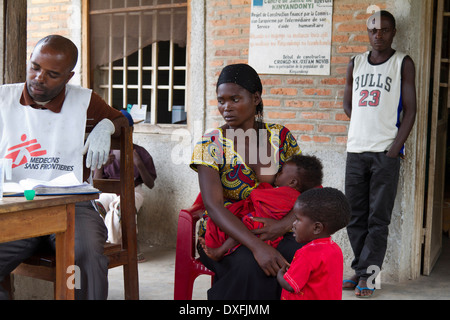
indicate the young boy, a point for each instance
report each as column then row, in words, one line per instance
column 298, row 174
column 316, row 272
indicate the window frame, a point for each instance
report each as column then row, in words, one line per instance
column 154, row 87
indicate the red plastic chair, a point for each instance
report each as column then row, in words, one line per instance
column 187, row 266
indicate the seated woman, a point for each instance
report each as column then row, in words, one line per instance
column 231, row 161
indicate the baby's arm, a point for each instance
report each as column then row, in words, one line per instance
column 283, row 283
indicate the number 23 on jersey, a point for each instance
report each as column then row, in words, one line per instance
column 370, row 98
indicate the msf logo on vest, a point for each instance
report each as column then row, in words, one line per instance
column 23, row 152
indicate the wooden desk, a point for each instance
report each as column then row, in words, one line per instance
column 21, row 219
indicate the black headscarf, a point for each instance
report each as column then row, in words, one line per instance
column 243, row 75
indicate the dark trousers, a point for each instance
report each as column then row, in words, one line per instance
column 90, row 237
column 371, row 181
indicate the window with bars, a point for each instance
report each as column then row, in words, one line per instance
column 139, row 55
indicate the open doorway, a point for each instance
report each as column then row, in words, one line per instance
column 438, row 179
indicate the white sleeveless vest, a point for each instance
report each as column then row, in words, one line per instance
column 376, row 105
column 43, row 144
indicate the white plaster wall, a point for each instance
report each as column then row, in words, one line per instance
column 175, row 187
column 397, row 265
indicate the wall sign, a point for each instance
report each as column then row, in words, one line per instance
column 291, row 36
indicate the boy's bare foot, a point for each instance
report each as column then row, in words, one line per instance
column 351, row 283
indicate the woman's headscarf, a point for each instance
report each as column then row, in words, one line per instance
column 243, row 75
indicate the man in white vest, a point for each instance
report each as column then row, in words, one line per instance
column 380, row 100
column 42, row 128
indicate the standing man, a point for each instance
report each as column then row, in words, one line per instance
column 380, row 100
column 55, row 116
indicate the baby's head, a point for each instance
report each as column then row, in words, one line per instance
column 319, row 213
column 301, row 172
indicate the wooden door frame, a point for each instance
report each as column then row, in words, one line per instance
column 85, row 44
column 428, row 20
column 423, row 71
column 13, row 41
column 432, row 252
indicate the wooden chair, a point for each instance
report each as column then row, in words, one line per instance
column 42, row 265
column 187, row 266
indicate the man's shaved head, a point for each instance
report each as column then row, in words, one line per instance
column 61, row 44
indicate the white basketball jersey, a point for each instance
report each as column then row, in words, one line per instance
column 376, row 105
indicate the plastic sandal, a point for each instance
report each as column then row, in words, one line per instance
column 364, row 288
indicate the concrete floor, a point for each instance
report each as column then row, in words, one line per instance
column 156, row 277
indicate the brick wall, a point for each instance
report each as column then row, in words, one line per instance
column 310, row 106
column 47, row 17
column 61, row 17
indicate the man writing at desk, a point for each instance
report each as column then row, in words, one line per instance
column 49, row 117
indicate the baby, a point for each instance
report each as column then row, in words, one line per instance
column 298, row 174
column 316, row 272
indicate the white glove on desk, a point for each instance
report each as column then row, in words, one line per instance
column 98, row 144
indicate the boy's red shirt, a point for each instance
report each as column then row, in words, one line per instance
column 316, row 272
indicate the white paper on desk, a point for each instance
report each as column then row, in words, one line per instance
column 58, row 185
column 12, row 187
column 66, row 180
